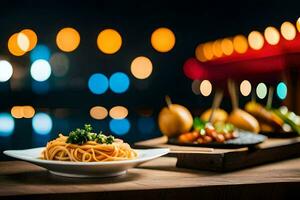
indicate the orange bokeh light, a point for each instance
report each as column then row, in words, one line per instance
column 109, row 41
column 98, row 112
column 141, row 67
column 217, row 48
column 240, row 44
column 118, row 112
column 208, row 51
column 31, row 35
column 67, row 39
column 13, row 46
column 199, row 53
column 163, row 39
column 227, row 46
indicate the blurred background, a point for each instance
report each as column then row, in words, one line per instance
column 67, row 63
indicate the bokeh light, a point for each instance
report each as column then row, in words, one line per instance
column 227, row 46
column 23, row 41
column 272, row 35
column 31, row 35
column 98, row 83
column 40, row 70
column 298, row 24
column 19, row 72
column 42, row 123
column 7, row 124
column 40, row 87
column 109, row 41
column 281, row 90
column 13, row 46
column 261, row 90
column 60, row 64
column 208, row 51
column 206, row 88
column 240, row 44
column 19, row 112
column 141, row 67
column 119, row 82
column 6, row 70
column 119, row 126
column 163, row 39
column 199, row 53
column 196, row 87
column 245, row 88
column 255, row 40
column 67, row 39
column 40, row 52
column 288, row 30
column 118, row 112
column 217, row 48
column 28, row 112
column 193, row 69
column 98, row 112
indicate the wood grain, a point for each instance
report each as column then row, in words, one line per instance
column 223, row 160
column 158, row 179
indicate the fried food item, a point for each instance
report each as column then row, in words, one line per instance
column 220, row 115
column 268, row 119
column 243, row 120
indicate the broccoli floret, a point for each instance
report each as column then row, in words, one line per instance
column 81, row 136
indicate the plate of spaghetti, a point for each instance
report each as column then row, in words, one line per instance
column 84, row 153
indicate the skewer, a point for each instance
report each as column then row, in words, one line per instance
column 232, row 93
column 216, row 104
column 270, row 97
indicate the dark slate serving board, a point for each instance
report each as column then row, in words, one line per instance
column 245, row 139
column 222, row 160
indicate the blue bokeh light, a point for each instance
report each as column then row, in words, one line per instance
column 42, row 123
column 146, row 125
column 281, row 90
column 119, row 126
column 98, row 83
column 119, row 82
column 7, row 124
column 40, row 52
column 40, row 87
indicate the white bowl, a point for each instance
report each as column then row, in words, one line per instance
column 86, row 169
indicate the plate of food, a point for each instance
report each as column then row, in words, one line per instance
column 214, row 128
column 84, row 153
column 217, row 135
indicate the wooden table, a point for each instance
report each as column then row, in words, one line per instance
column 157, row 179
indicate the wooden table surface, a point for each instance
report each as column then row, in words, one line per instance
column 157, row 179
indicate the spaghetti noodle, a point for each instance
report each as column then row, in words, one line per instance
column 90, row 151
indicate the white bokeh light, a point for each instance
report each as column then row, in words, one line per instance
column 6, row 70
column 40, row 70
column 23, row 42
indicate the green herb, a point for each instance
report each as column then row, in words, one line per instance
column 81, row 136
column 198, row 124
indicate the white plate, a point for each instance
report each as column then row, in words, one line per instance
column 86, row 169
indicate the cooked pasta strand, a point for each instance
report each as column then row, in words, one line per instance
column 91, row 151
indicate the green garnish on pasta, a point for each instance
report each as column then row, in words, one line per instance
column 81, row 136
